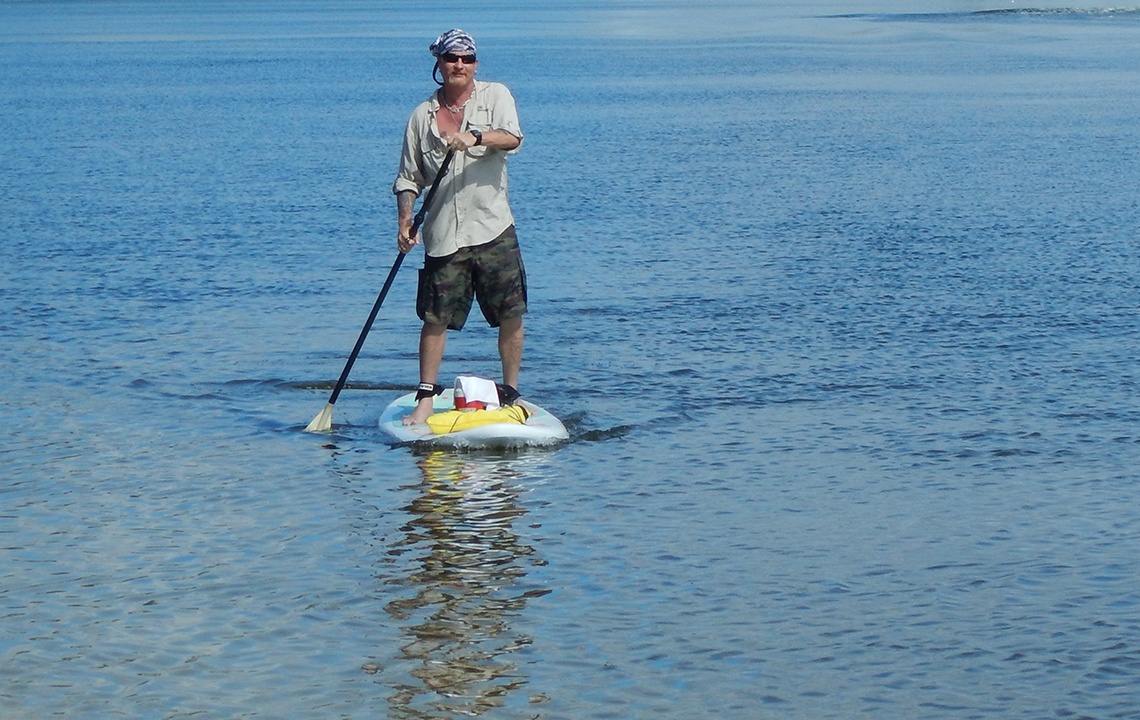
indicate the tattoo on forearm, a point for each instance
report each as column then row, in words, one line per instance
column 405, row 202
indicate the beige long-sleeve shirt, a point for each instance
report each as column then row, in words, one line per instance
column 471, row 206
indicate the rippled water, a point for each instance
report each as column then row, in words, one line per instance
column 838, row 305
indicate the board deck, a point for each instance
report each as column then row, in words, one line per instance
column 540, row 429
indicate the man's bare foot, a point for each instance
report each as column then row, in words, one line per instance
column 422, row 412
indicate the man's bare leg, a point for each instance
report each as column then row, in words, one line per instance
column 433, row 338
column 511, row 349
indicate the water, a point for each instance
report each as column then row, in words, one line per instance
column 838, row 304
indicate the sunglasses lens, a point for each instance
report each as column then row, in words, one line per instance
column 465, row 59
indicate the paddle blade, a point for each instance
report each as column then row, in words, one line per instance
column 322, row 423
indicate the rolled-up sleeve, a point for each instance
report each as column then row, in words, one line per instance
column 504, row 114
column 410, row 175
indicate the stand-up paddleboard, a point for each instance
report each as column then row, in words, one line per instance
column 540, row 429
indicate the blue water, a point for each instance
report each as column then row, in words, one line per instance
column 838, row 303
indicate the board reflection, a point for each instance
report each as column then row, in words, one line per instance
column 463, row 585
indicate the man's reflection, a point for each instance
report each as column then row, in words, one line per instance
column 464, row 590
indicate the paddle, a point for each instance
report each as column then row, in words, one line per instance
column 323, row 421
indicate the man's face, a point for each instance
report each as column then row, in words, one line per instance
column 457, row 68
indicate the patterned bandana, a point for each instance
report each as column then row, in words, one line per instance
column 453, row 41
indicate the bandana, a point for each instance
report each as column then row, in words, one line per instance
column 453, row 41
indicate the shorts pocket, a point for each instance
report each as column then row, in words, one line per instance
column 424, row 296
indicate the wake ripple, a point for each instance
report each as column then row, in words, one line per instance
column 996, row 12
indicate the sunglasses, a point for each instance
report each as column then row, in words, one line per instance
column 453, row 58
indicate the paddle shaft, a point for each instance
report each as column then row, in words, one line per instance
column 416, row 223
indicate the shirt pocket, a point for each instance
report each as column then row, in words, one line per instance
column 433, row 153
column 478, row 151
column 480, row 119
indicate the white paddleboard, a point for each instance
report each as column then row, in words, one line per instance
column 540, row 429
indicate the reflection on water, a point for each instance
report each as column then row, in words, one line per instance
column 464, row 586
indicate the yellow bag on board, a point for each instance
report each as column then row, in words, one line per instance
column 451, row 421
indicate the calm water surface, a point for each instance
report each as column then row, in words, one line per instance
column 839, row 306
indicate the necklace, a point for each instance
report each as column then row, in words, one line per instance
column 455, row 109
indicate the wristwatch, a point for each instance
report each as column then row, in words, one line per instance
column 478, row 136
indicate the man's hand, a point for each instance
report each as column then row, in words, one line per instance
column 406, row 243
column 460, row 142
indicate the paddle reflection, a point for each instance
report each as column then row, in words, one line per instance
column 465, row 589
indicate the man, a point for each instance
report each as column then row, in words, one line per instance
column 470, row 245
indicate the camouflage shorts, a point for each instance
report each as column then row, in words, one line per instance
column 492, row 273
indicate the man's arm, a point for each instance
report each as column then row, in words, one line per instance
column 494, row 139
column 405, row 204
column 499, row 140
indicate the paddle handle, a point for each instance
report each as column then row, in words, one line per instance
column 416, row 223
